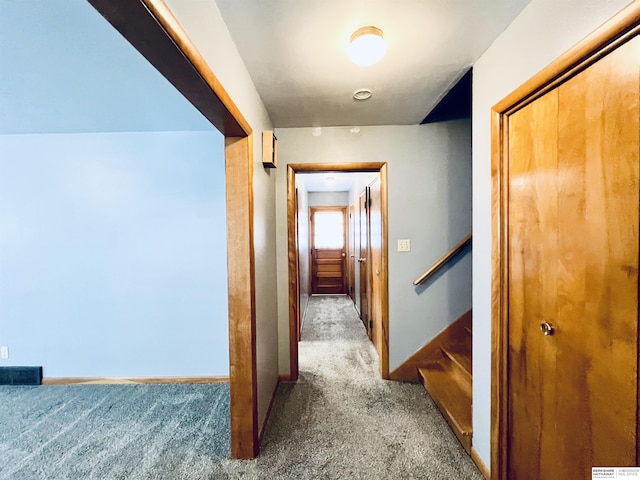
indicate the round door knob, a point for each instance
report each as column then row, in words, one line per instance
column 546, row 328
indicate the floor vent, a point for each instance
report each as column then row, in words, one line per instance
column 20, row 375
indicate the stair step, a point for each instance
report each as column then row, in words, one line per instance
column 467, row 322
column 460, row 355
column 451, row 399
column 453, row 364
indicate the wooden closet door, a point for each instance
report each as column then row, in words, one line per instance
column 573, row 271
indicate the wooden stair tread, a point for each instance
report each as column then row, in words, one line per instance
column 460, row 354
column 451, row 399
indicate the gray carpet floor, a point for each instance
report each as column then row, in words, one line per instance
column 339, row 421
column 113, row 431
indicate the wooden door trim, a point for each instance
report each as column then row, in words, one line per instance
column 351, row 232
column 154, row 31
column 606, row 38
column 294, row 300
column 620, row 29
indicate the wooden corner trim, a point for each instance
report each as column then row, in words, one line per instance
column 384, row 294
column 170, row 24
column 480, row 464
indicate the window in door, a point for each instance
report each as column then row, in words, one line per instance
column 328, row 256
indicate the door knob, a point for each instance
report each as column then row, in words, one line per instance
column 344, row 254
column 546, row 328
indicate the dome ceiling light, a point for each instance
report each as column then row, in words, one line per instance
column 367, row 46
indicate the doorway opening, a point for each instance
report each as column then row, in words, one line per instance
column 337, row 267
column 152, row 29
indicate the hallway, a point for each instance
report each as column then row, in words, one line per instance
column 342, row 421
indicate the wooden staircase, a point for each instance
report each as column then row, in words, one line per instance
column 447, row 378
column 444, row 368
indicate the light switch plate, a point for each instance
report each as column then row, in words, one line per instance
column 404, row 245
column 4, row 352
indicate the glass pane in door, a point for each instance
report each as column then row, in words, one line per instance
column 328, row 230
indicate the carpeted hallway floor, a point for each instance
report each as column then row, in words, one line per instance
column 340, row 421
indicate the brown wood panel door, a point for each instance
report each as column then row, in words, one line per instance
column 351, row 253
column 572, row 360
column 328, row 250
column 362, row 259
column 375, row 265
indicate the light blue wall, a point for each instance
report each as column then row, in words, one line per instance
column 429, row 200
column 112, row 245
column 113, row 254
column 64, row 69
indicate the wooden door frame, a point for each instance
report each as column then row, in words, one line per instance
column 351, row 249
column 294, row 300
column 153, row 30
column 364, row 310
column 620, row 29
column 312, row 210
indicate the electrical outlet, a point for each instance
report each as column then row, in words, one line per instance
column 4, row 352
column 404, row 245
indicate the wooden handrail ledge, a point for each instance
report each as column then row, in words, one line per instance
column 445, row 258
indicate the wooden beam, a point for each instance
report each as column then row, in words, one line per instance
column 242, row 307
column 152, row 29
column 337, row 167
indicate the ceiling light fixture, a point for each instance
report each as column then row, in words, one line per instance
column 367, row 46
column 362, row 94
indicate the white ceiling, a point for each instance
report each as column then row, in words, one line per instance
column 333, row 181
column 295, row 51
